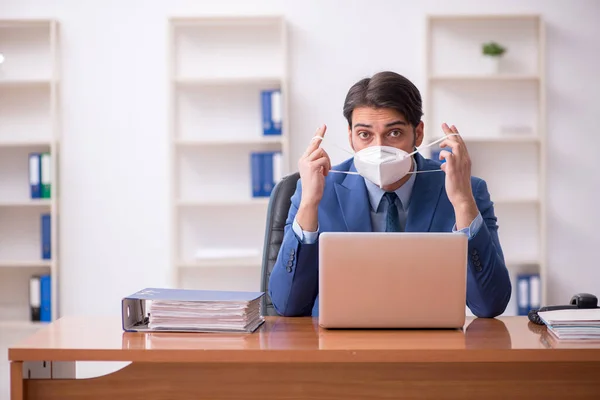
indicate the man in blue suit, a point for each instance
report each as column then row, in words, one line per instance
column 384, row 117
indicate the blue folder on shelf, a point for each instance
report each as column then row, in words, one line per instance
column 271, row 109
column 46, row 298
column 186, row 310
column 46, row 236
column 265, row 172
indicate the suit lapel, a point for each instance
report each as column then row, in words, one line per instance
column 354, row 203
column 424, row 198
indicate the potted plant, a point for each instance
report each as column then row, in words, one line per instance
column 492, row 53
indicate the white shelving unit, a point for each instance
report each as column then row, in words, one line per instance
column 29, row 122
column 501, row 116
column 218, row 67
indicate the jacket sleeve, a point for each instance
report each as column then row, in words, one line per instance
column 293, row 284
column 488, row 282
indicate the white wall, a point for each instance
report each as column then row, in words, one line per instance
column 114, row 171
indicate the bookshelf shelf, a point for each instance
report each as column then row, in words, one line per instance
column 224, row 202
column 226, row 21
column 224, row 262
column 516, row 200
column 29, row 126
column 486, row 18
column 17, row 83
column 27, row 203
column 25, row 264
column 230, row 141
column 501, row 139
column 512, row 262
column 484, row 78
column 225, row 47
column 219, row 68
column 24, row 143
column 26, row 113
column 501, row 115
column 228, row 81
column 220, row 112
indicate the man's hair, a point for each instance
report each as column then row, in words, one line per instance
column 385, row 90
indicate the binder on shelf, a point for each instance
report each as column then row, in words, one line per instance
column 35, row 175
column 271, row 112
column 277, row 167
column 535, row 291
column 45, row 177
column 46, row 231
column 34, row 298
column 46, row 298
column 255, row 171
column 186, row 310
column 522, row 294
column 528, row 293
column 266, row 171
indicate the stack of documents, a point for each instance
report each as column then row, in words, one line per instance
column 194, row 310
column 574, row 324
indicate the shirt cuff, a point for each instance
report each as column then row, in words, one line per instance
column 472, row 229
column 305, row 237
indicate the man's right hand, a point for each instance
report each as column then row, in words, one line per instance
column 314, row 165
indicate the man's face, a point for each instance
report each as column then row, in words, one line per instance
column 383, row 127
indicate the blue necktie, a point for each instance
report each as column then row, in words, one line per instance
column 392, row 220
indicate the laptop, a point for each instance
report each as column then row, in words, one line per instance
column 392, row 280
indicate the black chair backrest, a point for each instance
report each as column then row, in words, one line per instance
column 277, row 213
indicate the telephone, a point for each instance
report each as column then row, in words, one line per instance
column 580, row 300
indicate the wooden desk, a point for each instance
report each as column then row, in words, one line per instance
column 291, row 358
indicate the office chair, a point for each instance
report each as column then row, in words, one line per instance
column 277, row 212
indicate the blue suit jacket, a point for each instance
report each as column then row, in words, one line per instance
column 294, row 282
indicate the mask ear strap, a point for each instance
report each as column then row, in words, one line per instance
column 420, row 172
column 434, row 142
column 344, row 172
column 335, row 145
column 341, row 148
column 408, row 173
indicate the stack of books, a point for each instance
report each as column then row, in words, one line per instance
column 181, row 310
column 573, row 324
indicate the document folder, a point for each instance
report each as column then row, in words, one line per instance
column 184, row 310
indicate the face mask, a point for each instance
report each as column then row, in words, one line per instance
column 385, row 165
column 382, row 165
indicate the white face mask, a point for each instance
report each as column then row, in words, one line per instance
column 382, row 165
column 385, row 165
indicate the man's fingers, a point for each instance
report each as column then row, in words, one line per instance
column 318, row 153
column 447, row 156
column 316, row 140
column 455, row 146
column 326, row 156
column 453, row 136
column 451, row 132
column 447, row 129
column 457, row 137
column 321, row 163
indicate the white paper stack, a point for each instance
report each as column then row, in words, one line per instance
column 575, row 324
column 205, row 311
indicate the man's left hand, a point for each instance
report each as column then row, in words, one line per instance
column 458, row 177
